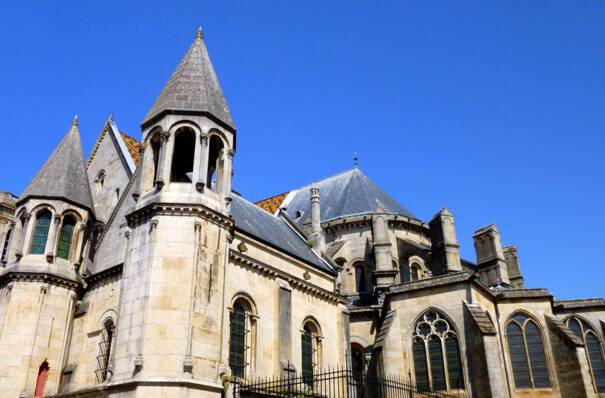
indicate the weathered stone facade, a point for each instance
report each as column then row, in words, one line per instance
column 141, row 273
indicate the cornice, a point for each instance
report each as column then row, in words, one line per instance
column 104, row 274
column 297, row 283
column 365, row 220
column 143, row 214
column 43, row 277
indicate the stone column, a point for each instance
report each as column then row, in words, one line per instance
column 163, row 169
column 140, row 173
column 317, row 237
column 228, row 170
column 51, row 240
column 203, row 163
column 285, row 326
column 384, row 272
column 490, row 256
column 25, row 236
column 446, row 251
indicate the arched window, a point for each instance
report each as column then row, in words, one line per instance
column 414, row 272
column 358, row 366
column 362, row 283
column 105, row 350
column 436, row 354
column 65, row 237
column 528, row 358
column 311, row 351
column 183, row 156
column 40, row 235
column 242, row 337
column 586, row 332
column 215, row 176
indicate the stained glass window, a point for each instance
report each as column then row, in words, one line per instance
column 65, row 237
column 40, row 232
column 526, row 349
column 437, row 363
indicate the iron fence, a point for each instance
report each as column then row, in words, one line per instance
column 334, row 383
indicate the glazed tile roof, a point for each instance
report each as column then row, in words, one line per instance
column 273, row 203
column 133, row 147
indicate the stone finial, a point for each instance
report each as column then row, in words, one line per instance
column 491, row 263
column 199, row 34
column 446, row 251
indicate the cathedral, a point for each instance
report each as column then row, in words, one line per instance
column 140, row 272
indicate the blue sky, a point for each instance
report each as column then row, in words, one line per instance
column 493, row 109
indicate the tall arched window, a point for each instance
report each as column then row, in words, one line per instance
column 414, row 272
column 311, row 351
column 586, row 332
column 65, row 237
column 183, row 156
column 40, row 234
column 216, row 165
column 362, row 278
column 105, row 350
column 151, row 162
column 436, row 354
column 242, row 336
column 528, row 358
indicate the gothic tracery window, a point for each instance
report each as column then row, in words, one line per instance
column 526, row 348
column 40, row 235
column 436, row 353
column 586, row 332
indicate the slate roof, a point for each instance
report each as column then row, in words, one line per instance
column 272, row 230
column 384, row 329
column 483, row 321
column 344, row 194
column 193, row 87
column 63, row 175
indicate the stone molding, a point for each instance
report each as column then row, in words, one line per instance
column 103, row 275
column 144, row 214
column 10, row 276
column 365, row 220
column 296, row 283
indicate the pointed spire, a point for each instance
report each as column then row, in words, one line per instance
column 193, row 88
column 63, row 176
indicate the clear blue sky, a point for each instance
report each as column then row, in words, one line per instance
column 493, row 109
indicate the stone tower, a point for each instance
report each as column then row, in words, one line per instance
column 172, row 318
column 41, row 281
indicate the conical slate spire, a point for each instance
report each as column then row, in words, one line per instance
column 63, row 176
column 193, row 88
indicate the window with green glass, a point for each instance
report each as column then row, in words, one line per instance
column 526, row 349
column 309, row 349
column 437, row 363
column 65, row 237
column 238, row 321
column 40, row 232
column 586, row 332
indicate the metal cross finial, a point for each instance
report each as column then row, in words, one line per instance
column 356, row 159
column 200, row 33
column 74, row 122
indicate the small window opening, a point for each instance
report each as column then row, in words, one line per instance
column 41, row 381
column 183, row 156
column 99, row 181
column 215, row 163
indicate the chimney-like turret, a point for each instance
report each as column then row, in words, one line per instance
column 511, row 257
column 384, row 272
column 317, row 235
column 490, row 257
column 446, row 251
